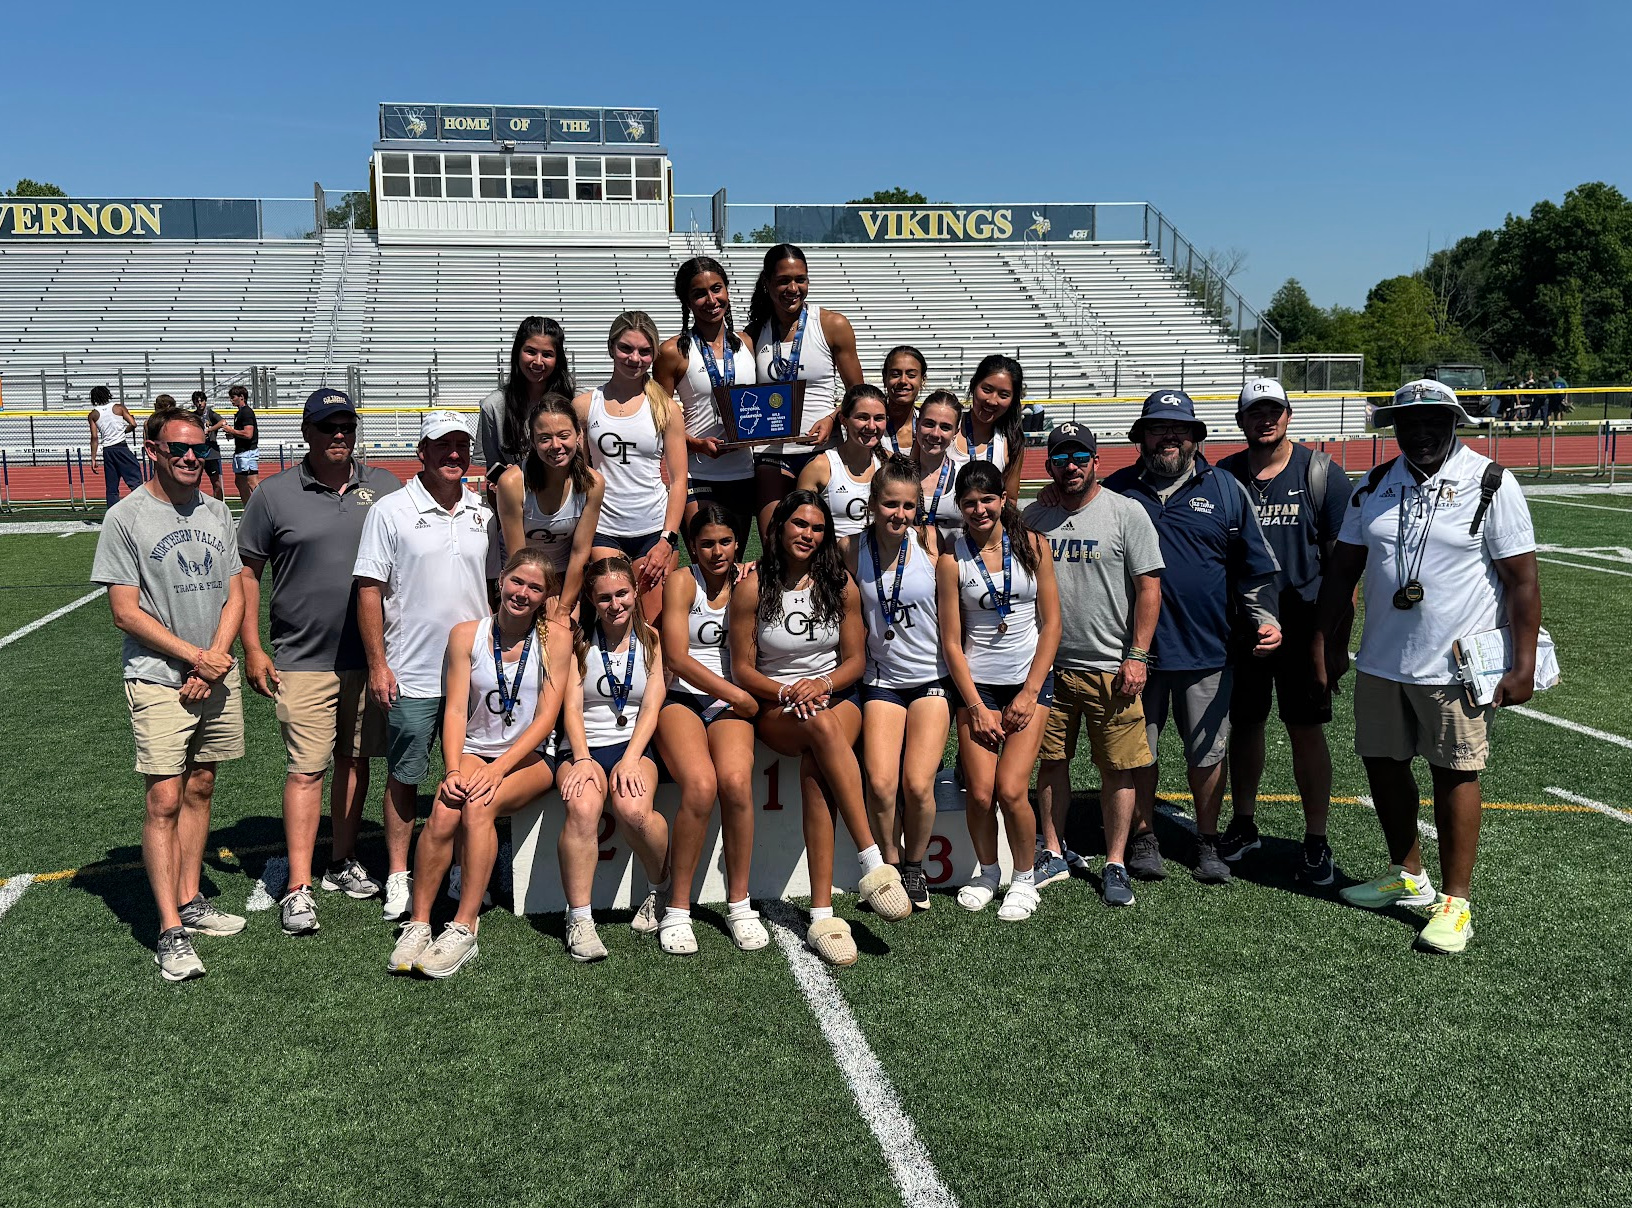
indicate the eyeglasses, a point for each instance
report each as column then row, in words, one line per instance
column 177, row 449
column 331, row 428
column 1169, row 430
column 1080, row 458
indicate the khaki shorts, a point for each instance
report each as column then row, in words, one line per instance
column 171, row 736
column 327, row 713
column 1115, row 724
column 1401, row 721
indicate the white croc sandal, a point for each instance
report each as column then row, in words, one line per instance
column 977, row 895
column 1019, row 903
column 677, row 938
column 747, row 932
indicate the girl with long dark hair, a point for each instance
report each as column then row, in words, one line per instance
column 937, row 451
column 1000, row 627
column 841, row 475
column 905, row 372
column 991, row 427
column 797, row 644
column 538, row 366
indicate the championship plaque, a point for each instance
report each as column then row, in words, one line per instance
column 757, row 415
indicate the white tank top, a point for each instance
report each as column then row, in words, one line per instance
column 943, row 512
column 553, row 532
column 110, row 426
column 995, row 451
column 1000, row 659
column 628, row 451
column 795, row 648
column 703, row 414
column 707, row 637
column 485, row 731
column 913, row 656
column 816, row 370
column 846, row 498
column 601, row 727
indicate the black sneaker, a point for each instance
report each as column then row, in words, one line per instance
column 916, row 884
column 1239, row 837
column 1115, row 889
column 1145, row 858
column 1210, row 869
column 1315, row 864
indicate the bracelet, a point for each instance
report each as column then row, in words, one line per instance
column 1136, row 655
column 829, row 680
column 584, row 759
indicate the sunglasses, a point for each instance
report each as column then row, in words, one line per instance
column 177, row 449
column 332, row 428
column 1080, row 458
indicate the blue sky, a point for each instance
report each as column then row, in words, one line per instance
column 1331, row 143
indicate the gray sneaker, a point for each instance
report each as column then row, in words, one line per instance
column 200, row 917
column 1210, row 867
column 1145, row 858
column 175, row 957
column 651, row 910
column 445, row 957
column 583, row 941
column 298, row 912
column 351, row 879
column 1115, row 888
column 412, row 940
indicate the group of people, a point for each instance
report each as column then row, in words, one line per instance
column 547, row 631
column 111, row 426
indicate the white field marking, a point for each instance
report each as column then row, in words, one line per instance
column 1607, row 810
column 1570, row 503
column 1427, row 829
column 1600, row 735
column 273, row 881
column 909, row 1161
column 50, row 616
column 1579, row 488
column 46, row 528
column 13, row 889
column 1169, row 810
column 1602, row 570
column 1594, row 553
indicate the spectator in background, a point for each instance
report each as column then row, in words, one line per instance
column 111, row 426
column 1558, row 404
column 246, row 444
column 213, row 423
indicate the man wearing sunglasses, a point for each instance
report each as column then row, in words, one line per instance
column 169, row 559
column 1219, row 566
column 1108, row 562
column 307, row 522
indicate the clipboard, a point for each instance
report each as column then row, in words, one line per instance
column 1483, row 658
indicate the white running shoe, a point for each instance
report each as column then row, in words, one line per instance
column 398, row 897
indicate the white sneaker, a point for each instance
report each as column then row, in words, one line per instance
column 456, row 881
column 583, row 942
column 398, row 897
column 649, row 913
column 412, row 940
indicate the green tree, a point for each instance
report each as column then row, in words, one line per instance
column 34, row 188
column 1302, row 324
column 763, row 234
column 355, row 209
column 890, row 197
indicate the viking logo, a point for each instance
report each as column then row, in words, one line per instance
column 1040, row 226
column 711, row 633
column 799, row 625
column 633, row 127
column 195, row 569
column 614, row 448
column 414, row 120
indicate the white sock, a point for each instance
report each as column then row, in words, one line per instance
column 672, row 915
column 818, row 913
column 579, row 912
column 870, row 859
column 1023, row 878
column 742, row 907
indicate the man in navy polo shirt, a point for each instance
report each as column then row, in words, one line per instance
column 1219, row 567
column 1299, row 496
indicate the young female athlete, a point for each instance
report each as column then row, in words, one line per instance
column 706, row 355
column 636, row 434
column 706, row 733
column 991, row 427
column 904, row 706
column 842, row 475
column 1000, row 627
column 905, row 372
column 505, row 675
column 797, row 645
column 538, row 366
column 613, row 696
column 796, row 342
column 937, row 451
column 555, row 502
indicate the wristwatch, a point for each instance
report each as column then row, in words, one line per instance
column 672, row 537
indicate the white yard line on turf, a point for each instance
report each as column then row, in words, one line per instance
column 46, row 528
column 50, row 616
column 1568, row 503
column 1603, row 570
column 13, row 889
column 1607, row 810
column 1426, row 829
column 909, row 1161
column 1600, row 735
column 273, row 881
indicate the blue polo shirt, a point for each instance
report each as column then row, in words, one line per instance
column 1213, row 546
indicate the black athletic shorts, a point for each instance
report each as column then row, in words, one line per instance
column 1288, row 675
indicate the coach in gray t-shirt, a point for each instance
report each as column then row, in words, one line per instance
column 1107, row 561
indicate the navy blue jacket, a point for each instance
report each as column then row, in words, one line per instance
column 1214, row 549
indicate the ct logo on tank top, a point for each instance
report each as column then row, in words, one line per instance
column 604, row 685
column 799, row 625
column 494, row 702
column 904, row 615
column 614, row 448
column 542, row 537
column 711, row 633
column 856, row 509
column 985, row 603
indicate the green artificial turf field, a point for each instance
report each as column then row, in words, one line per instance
column 1251, row 1044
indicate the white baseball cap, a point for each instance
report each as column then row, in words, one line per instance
column 1424, row 392
column 436, row 424
column 1260, row 389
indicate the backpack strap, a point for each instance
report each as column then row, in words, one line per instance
column 1489, row 483
column 1320, row 469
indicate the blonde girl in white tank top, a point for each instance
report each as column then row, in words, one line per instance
column 554, row 503
column 637, row 435
column 478, row 789
column 844, row 475
column 800, row 593
column 707, row 711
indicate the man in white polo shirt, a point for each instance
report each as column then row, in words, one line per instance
column 421, row 567
column 1444, row 539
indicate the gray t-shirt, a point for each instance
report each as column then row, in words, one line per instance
column 490, row 450
column 183, row 559
column 1098, row 550
column 309, row 535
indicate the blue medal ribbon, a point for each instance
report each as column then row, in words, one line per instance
column 1000, row 603
column 786, row 369
column 620, row 696
column 892, row 607
column 940, row 487
column 969, row 436
column 508, row 699
column 718, row 379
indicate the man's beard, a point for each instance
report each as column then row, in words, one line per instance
column 1267, row 443
column 1169, row 465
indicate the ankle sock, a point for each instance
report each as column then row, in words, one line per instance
column 870, row 859
column 1023, row 878
column 742, row 907
column 818, row 913
column 671, row 915
column 580, row 912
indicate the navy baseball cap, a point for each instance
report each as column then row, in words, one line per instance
column 321, row 404
column 1072, row 433
column 1169, row 406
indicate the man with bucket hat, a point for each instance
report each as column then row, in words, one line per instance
column 1444, row 540
column 1108, row 562
column 1218, row 566
column 1299, row 496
